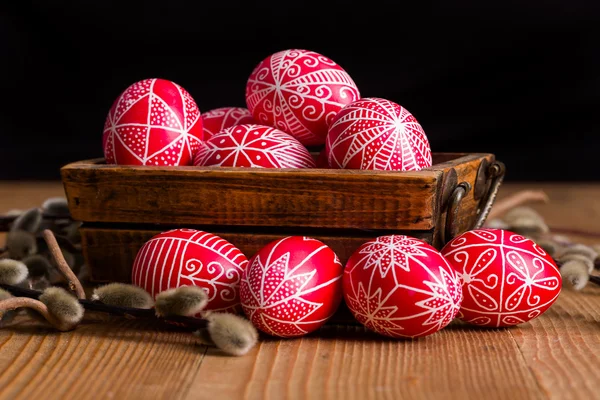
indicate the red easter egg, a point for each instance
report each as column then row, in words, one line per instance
column 292, row 286
column 253, row 146
column 153, row 122
column 218, row 119
column 299, row 92
column 322, row 160
column 401, row 287
column 377, row 134
column 189, row 257
column 507, row 279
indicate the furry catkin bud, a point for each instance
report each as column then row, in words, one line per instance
column 231, row 333
column 576, row 273
column 123, row 295
column 496, row 223
column 184, row 301
column 56, row 206
column 29, row 221
column 580, row 249
column 583, row 259
column 12, row 272
column 37, row 265
column 525, row 220
column 62, row 305
column 20, row 244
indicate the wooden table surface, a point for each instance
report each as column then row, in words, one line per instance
column 556, row 356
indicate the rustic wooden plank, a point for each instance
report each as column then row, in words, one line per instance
column 563, row 348
column 252, row 197
column 103, row 358
column 110, row 252
column 128, row 359
column 348, row 363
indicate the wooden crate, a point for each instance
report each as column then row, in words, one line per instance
column 121, row 207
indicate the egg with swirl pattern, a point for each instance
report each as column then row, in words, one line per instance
column 189, row 257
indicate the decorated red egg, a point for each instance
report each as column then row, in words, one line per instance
column 299, row 92
column 218, row 119
column 189, row 257
column 401, row 287
column 507, row 279
column 256, row 146
column 153, row 122
column 377, row 134
column 292, row 286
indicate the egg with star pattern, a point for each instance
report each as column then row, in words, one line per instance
column 253, row 146
column 292, row 286
column 401, row 287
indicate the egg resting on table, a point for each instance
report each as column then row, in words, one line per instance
column 255, row 146
column 218, row 119
column 401, row 287
column 189, row 257
column 153, row 122
column 507, row 279
column 299, row 91
column 291, row 286
column 377, row 134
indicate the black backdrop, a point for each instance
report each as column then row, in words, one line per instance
column 520, row 79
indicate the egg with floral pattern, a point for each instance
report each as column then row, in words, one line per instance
column 190, row 257
column 401, row 287
column 507, row 279
column 291, row 286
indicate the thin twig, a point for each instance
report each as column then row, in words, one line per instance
column 135, row 313
column 62, row 265
column 515, row 200
column 25, row 302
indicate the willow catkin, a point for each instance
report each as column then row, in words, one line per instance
column 123, row 295
column 62, row 305
column 184, row 301
column 12, row 272
column 231, row 333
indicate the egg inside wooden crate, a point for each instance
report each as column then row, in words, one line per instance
column 122, row 207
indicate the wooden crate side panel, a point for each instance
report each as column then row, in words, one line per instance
column 110, row 252
column 470, row 207
column 275, row 198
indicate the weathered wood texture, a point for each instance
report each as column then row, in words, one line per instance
column 110, row 252
column 131, row 204
column 259, row 197
column 556, row 356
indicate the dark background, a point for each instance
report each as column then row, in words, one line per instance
column 520, row 79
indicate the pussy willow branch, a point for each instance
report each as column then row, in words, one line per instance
column 62, row 265
column 27, row 302
column 134, row 313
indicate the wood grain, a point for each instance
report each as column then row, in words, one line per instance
column 555, row 356
column 110, row 252
column 123, row 207
column 256, row 197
